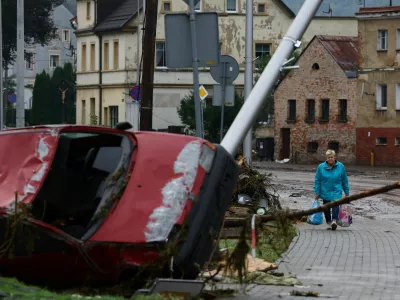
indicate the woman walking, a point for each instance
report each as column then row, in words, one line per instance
column 330, row 181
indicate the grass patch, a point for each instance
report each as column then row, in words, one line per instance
column 272, row 241
column 17, row 290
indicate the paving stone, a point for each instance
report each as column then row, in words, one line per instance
column 358, row 262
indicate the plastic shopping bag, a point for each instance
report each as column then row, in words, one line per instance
column 345, row 217
column 315, row 219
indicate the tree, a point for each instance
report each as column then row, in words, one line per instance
column 211, row 115
column 39, row 25
column 70, row 107
column 47, row 97
column 41, row 104
column 58, row 76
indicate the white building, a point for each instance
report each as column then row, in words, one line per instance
column 107, row 51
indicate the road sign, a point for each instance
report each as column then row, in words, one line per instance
column 195, row 2
column 12, row 98
column 203, row 93
column 136, row 93
column 228, row 95
column 178, row 47
column 231, row 70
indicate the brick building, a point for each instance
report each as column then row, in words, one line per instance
column 378, row 107
column 315, row 105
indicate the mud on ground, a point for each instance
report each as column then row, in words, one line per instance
column 295, row 187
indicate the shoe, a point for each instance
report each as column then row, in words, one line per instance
column 333, row 225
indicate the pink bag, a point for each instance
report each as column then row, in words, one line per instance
column 345, row 216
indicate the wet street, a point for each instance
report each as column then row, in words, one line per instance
column 358, row 262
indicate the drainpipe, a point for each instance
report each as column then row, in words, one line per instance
column 100, row 78
column 100, row 67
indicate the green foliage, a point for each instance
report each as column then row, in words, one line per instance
column 211, row 115
column 47, row 97
column 39, row 25
column 94, row 120
column 41, row 103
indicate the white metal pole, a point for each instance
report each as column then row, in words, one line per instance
column 248, row 82
column 1, row 70
column 20, row 65
column 264, row 85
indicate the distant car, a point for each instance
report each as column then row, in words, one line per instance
column 104, row 202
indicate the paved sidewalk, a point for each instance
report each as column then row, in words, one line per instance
column 358, row 262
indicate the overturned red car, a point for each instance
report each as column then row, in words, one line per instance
column 104, row 202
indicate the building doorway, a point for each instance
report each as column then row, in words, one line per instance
column 285, row 147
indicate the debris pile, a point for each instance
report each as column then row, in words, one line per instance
column 255, row 189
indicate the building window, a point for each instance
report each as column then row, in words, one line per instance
column 231, row 5
column 106, row 116
column 381, row 97
column 261, row 8
column 398, row 39
column 398, row 96
column 334, row 146
column 382, row 42
column 106, row 55
column 397, row 141
column 312, row 147
column 324, row 110
column 343, row 110
column 54, row 60
column 66, row 36
column 30, row 61
column 83, row 58
column 315, row 66
column 263, row 51
column 166, row 6
column 116, row 55
column 310, row 110
column 291, row 110
column 160, row 55
column 92, row 56
column 381, row 140
column 198, row 6
column 113, row 116
column 83, row 121
column 88, row 8
column 92, row 106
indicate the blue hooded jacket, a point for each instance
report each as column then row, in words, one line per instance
column 330, row 182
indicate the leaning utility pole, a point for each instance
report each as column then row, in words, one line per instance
column 248, row 81
column 146, row 112
column 254, row 102
column 1, row 71
column 20, row 65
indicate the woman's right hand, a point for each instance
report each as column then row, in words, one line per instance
column 316, row 197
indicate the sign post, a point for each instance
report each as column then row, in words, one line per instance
column 196, row 45
column 133, row 107
column 225, row 74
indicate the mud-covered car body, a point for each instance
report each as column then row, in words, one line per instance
column 82, row 203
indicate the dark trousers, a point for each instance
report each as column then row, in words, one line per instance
column 334, row 211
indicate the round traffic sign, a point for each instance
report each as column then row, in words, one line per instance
column 136, row 92
column 228, row 67
column 12, row 98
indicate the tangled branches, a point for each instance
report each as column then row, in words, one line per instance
column 14, row 223
column 256, row 186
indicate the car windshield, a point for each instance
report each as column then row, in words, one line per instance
column 82, row 174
